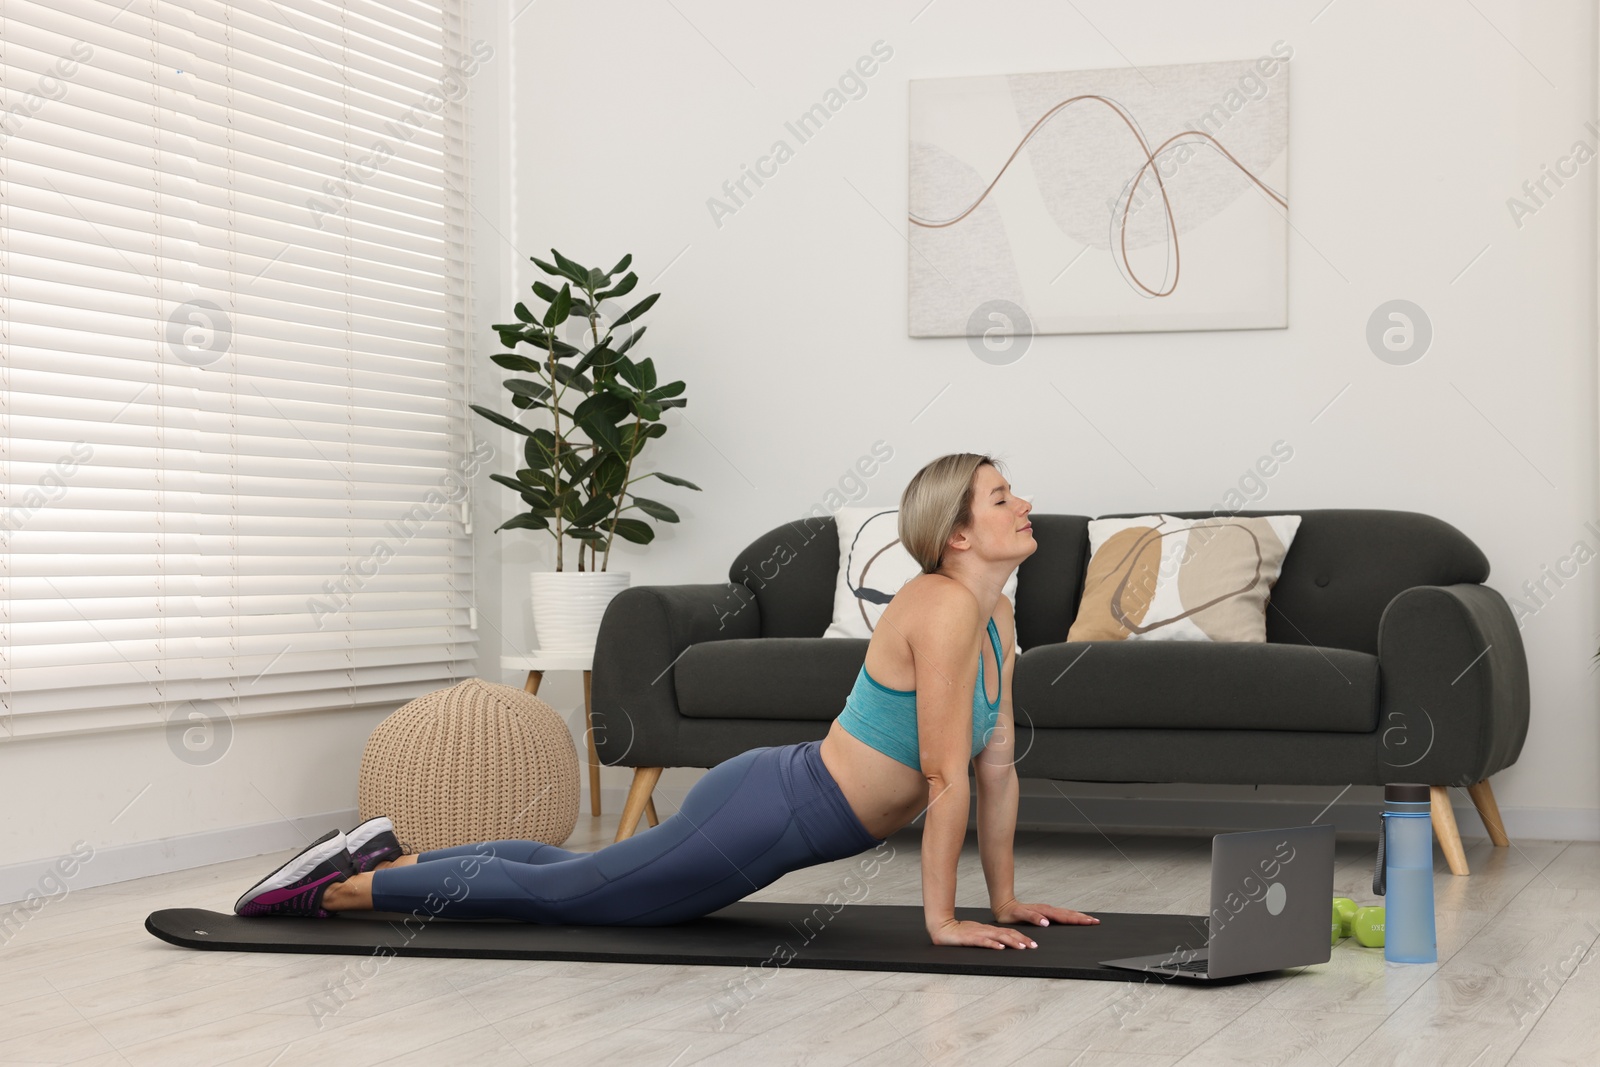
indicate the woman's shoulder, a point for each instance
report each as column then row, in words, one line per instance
column 929, row 591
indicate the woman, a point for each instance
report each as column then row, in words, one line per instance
column 919, row 711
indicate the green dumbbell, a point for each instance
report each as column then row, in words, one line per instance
column 1345, row 909
column 1334, row 940
column 1367, row 927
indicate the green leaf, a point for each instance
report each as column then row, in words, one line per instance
column 522, row 312
column 524, row 522
column 631, row 340
column 540, row 449
column 579, row 276
column 571, row 268
column 511, row 361
column 628, row 371
column 539, row 477
column 584, row 534
column 595, row 510
column 567, row 376
column 655, row 509
column 597, row 278
column 672, row 480
column 670, row 389
column 534, row 498
column 523, row 388
column 604, row 405
column 602, row 432
column 524, row 331
column 647, row 373
column 603, row 360
column 622, row 264
column 544, row 292
column 578, row 468
column 557, row 314
column 622, row 288
column 638, row 309
column 674, row 403
column 500, row 420
column 634, row 530
column 645, row 409
column 612, row 475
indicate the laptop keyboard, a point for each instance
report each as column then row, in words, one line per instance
column 1191, row 966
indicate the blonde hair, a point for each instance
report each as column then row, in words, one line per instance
column 936, row 502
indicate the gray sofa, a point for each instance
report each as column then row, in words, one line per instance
column 1387, row 660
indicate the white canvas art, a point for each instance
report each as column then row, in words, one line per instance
column 1100, row 201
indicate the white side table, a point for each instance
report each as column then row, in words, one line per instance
column 536, row 663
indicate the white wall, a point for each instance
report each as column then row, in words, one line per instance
column 1410, row 126
column 605, row 127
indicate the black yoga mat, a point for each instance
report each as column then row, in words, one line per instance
column 858, row 937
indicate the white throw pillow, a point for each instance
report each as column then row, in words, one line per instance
column 872, row 568
column 1162, row 578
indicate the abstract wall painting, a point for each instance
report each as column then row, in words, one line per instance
column 1134, row 199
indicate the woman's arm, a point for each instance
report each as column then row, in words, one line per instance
column 943, row 651
column 995, row 771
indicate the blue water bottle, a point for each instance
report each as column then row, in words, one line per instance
column 1403, row 875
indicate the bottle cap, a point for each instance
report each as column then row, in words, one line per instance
column 1407, row 794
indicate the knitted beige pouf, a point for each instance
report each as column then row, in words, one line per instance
column 475, row 762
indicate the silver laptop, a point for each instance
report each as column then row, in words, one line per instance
column 1271, row 891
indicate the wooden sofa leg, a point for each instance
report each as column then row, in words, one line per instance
column 1444, row 828
column 644, row 783
column 1483, row 799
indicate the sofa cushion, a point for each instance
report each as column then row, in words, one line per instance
column 1161, row 578
column 873, row 566
column 1196, row 685
column 1166, row 684
column 804, row 678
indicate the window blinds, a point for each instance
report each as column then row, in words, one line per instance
column 234, row 441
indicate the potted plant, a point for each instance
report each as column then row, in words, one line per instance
column 602, row 408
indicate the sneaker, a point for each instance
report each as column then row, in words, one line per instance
column 372, row 843
column 296, row 888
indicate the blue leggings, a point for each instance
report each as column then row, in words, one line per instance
column 746, row 823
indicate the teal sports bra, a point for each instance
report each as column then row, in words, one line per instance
column 886, row 719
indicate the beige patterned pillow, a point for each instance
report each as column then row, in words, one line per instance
column 1162, row 578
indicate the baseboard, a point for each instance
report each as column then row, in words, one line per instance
column 141, row 859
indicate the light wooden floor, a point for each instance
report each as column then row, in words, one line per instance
column 1516, row 983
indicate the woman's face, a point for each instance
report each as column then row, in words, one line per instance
column 1000, row 526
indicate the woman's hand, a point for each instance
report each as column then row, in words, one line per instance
column 979, row 935
column 1012, row 911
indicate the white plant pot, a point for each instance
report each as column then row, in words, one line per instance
column 568, row 605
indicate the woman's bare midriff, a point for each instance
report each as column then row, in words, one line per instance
column 884, row 793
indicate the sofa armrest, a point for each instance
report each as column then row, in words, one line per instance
column 643, row 632
column 1453, row 684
